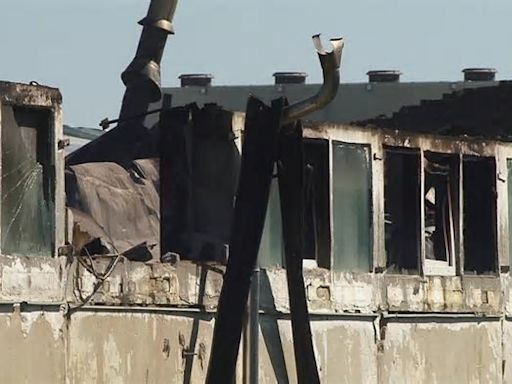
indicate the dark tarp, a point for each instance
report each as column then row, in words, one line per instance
column 120, row 206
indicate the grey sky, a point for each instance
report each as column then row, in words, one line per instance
column 81, row 46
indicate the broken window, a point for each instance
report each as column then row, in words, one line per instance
column 352, row 207
column 317, row 227
column 479, row 219
column 402, row 209
column 27, row 213
column 440, row 212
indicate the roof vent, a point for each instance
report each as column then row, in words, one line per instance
column 290, row 77
column 384, row 76
column 479, row 74
column 196, row 80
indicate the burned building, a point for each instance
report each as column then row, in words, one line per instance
column 376, row 251
column 406, row 254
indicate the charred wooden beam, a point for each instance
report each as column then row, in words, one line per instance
column 175, row 181
column 291, row 192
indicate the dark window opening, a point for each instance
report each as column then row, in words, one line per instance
column 402, row 209
column 479, row 196
column 199, row 165
column 27, row 213
column 317, row 231
column 440, row 198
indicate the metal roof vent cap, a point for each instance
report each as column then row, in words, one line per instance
column 196, row 80
column 479, row 74
column 384, row 76
column 290, row 77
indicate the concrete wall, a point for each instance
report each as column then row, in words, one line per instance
column 154, row 323
column 112, row 346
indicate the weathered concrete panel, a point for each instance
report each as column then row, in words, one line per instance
column 345, row 350
column 357, row 292
column 506, row 282
column 149, row 346
column 124, row 347
column 507, row 351
column 31, row 279
column 439, row 351
column 478, row 294
column 33, row 347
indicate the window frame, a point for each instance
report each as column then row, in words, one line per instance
column 354, row 136
column 416, row 152
column 47, row 99
column 439, row 267
column 455, row 146
column 314, row 263
column 504, row 222
column 377, row 140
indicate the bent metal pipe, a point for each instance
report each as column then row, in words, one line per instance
column 330, row 62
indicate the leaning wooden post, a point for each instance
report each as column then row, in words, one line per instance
column 291, row 192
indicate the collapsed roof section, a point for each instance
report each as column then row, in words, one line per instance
column 478, row 112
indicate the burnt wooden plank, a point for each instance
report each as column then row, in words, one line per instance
column 175, row 180
column 291, row 191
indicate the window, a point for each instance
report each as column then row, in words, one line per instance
column 271, row 252
column 402, row 209
column 352, row 207
column 479, row 223
column 317, row 233
column 317, row 227
column 27, row 213
column 421, row 214
column 440, row 195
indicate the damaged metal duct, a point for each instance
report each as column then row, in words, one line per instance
column 142, row 76
column 330, row 62
column 130, row 139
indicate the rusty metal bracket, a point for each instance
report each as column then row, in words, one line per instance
column 330, row 62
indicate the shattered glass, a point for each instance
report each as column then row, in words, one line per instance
column 27, row 222
column 352, row 207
